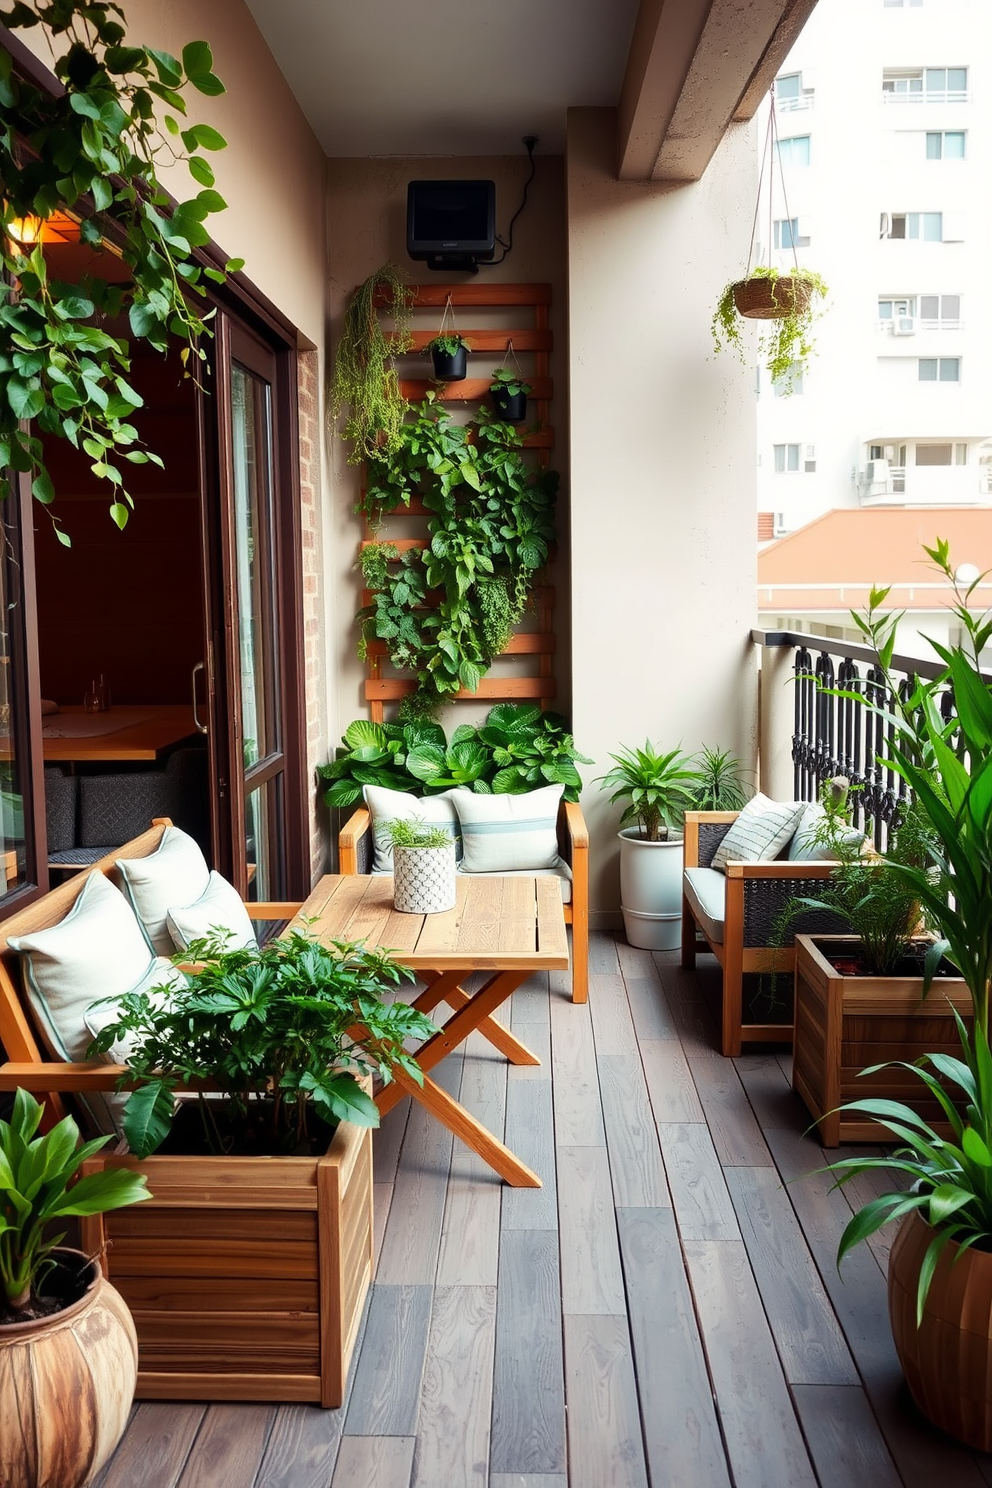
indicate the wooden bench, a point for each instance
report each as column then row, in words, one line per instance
column 355, row 846
column 27, row 1064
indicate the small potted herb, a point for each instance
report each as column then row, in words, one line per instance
column 789, row 302
column 423, row 866
column 509, row 394
column 449, row 353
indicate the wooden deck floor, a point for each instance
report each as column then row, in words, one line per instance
column 665, row 1311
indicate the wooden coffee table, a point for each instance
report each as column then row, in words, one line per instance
column 508, row 926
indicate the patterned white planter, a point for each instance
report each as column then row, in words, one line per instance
column 424, row 879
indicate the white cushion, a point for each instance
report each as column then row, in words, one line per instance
column 218, row 908
column 804, row 847
column 387, row 805
column 760, row 832
column 561, row 870
column 706, row 891
column 97, row 951
column 161, row 974
column 501, row 834
column 175, row 873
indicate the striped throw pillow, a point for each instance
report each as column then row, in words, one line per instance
column 501, row 834
column 759, row 833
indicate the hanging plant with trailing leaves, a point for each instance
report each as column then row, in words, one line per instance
column 92, row 152
column 365, row 381
column 490, row 526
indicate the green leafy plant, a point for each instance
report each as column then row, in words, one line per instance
column 414, row 832
column 947, row 765
column 92, row 152
column 464, row 762
column 364, row 379
column 721, row 786
column 658, row 788
column 280, row 1031
column 784, row 344
column 447, row 611
column 37, row 1190
column 376, row 754
column 531, row 749
column 446, row 345
column 511, row 384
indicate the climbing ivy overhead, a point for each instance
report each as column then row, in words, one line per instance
column 93, row 152
column 446, row 611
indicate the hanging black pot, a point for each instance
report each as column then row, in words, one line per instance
column 450, row 366
column 511, row 407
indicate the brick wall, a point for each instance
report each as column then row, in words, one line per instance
column 315, row 680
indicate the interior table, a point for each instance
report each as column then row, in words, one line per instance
column 505, row 925
column 136, row 731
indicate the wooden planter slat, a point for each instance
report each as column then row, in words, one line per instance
column 845, row 1024
column 278, row 1251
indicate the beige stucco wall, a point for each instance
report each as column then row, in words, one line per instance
column 366, row 228
column 662, row 456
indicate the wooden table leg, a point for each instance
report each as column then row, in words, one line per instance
column 497, row 1033
column 464, row 1125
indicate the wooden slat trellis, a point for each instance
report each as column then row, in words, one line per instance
column 531, row 335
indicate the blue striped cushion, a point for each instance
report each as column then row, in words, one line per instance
column 502, row 834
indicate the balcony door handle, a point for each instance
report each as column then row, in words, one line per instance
column 202, row 727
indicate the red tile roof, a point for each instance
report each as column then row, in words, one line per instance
column 832, row 563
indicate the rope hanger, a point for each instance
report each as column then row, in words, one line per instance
column 769, row 155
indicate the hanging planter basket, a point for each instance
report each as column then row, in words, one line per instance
column 772, row 299
column 511, row 407
column 450, row 366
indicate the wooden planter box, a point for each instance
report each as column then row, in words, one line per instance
column 246, row 1276
column 844, row 1024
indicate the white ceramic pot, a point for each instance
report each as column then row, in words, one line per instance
column 424, row 879
column 651, row 890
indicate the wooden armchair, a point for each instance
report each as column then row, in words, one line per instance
column 737, row 922
column 355, row 847
column 27, row 1064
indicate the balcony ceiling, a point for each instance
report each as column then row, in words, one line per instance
column 472, row 77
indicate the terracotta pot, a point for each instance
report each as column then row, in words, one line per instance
column 66, row 1386
column 771, row 299
column 947, row 1361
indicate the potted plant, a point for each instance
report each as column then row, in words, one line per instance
column 940, row 1267
column 790, row 304
column 509, row 394
column 364, row 379
column 449, row 354
column 721, row 787
column 65, row 1333
column 657, row 789
column 257, row 1166
column 423, row 866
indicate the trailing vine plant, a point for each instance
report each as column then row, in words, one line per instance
column 364, row 379
column 93, row 152
column 785, row 344
column 490, row 524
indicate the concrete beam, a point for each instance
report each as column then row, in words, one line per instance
column 694, row 68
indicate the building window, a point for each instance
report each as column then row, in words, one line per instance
column 945, row 144
column 788, row 233
column 942, row 454
column 809, row 460
column 790, row 383
column 898, row 317
column 786, row 458
column 940, row 312
column 892, row 4
column 940, row 369
column 925, row 85
column 928, row 226
column 795, row 151
column 790, row 95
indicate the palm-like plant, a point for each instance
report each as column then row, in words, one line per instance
column 658, row 788
column 720, row 787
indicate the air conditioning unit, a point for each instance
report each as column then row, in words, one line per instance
column 904, row 325
column 876, row 472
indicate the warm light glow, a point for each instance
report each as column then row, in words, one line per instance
column 26, row 230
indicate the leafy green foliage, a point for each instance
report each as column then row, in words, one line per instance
column 36, row 1189
column 93, row 152
column 721, row 786
column 948, row 768
column 414, row 833
column 517, row 749
column 364, row 379
column 280, row 1031
column 782, row 344
column 511, row 384
column 446, row 345
column 447, row 611
column 658, row 788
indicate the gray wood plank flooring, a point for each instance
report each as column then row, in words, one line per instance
column 664, row 1312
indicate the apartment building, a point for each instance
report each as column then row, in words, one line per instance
column 884, row 132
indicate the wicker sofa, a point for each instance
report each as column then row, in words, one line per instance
column 735, row 914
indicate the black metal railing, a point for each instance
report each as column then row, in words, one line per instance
column 835, row 735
